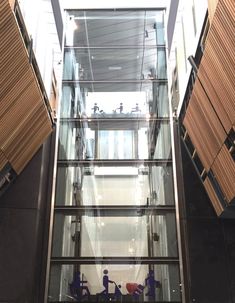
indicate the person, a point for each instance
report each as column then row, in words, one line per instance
column 106, row 282
column 120, row 108
column 117, row 292
column 77, row 287
column 95, row 108
column 136, row 108
column 152, row 284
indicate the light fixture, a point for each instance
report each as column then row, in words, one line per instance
column 115, row 67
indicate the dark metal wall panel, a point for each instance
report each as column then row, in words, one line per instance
column 23, row 227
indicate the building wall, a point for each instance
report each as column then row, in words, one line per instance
column 210, row 243
column 23, row 227
column 25, row 206
column 189, row 22
column 41, row 26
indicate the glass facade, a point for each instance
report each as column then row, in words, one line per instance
column 114, row 235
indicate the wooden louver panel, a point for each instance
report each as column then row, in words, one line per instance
column 210, row 115
column 203, row 126
column 24, row 118
column 224, row 171
column 211, row 8
column 3, row 160
column 213, row 197
column 217, row 66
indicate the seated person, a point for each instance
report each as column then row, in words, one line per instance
column 77, row 287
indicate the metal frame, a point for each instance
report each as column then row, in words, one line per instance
column 163, row 8
column 162, row 81
column 115, row 260
column 118, row 47
column 115, row 162
column 114, row 210
column 134, row 119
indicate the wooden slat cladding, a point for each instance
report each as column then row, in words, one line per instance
column 203, row 126
column 24, row 119
column 213, row 197
column 3, row 160
column 211, row 8
column 205, row 74
column 216, row 70
column 224, row 171
column 210, row 115
column 12, row 3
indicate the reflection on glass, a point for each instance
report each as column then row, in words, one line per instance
column 119, row 236
column 99, row 185
column 114, row 236
column 99, row 139
column 120, row 283
column 114, row 64
column 114, row 190
column 101, row 104
column 161, row 185
column 115, row 100
column 114, row 28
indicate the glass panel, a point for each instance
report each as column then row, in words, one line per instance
column 113, row 28
column 160, row 31
column 114, row 138
column 115, row 99
column 129, row 185
column 114, row 64
column 108, row 236
column 161, row 185
column 119, row 283
column 161, row 64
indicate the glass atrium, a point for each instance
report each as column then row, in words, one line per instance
column 114, row 235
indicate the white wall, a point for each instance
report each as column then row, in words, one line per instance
column 40, row 23
column 185, row 40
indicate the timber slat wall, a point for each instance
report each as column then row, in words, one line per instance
column 213, row 197
column 210, row 115
column 3, row 160
column 24, row 119
column 204, row 127
column 224, row 171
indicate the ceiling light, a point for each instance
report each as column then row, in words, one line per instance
column 115, row 67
